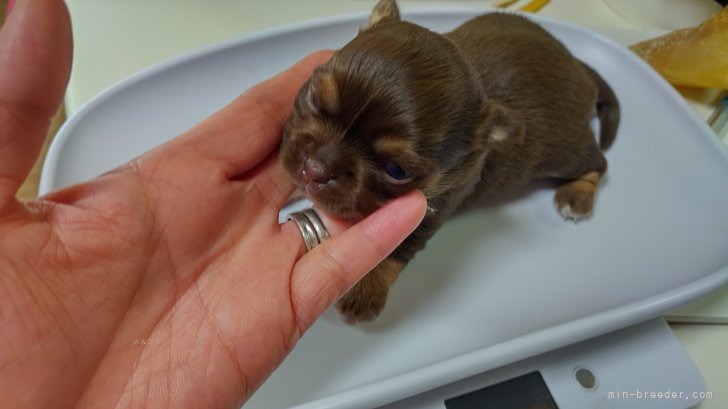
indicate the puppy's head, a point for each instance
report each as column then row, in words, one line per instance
column 398, row 108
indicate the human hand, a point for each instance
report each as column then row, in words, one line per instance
column 167, row 282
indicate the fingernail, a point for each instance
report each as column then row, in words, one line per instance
column 410, row 207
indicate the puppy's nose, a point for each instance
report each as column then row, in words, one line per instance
column 316, row 171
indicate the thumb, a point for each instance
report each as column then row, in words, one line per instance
column 326, row 272
column 35, row 62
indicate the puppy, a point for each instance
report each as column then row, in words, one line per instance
column 495, row 103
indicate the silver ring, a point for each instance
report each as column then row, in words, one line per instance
column 318, row 224
column 311, row 227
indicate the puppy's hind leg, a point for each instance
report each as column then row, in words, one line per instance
column 574, row 199
column 585, row 167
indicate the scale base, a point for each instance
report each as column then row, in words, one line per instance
column 640, row 367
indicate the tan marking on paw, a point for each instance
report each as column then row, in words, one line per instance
column 574, row 200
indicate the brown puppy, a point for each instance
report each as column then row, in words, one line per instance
column 495, row 103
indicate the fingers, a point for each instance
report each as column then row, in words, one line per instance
column 326, row 272
column 246, row 131
column 35, row 62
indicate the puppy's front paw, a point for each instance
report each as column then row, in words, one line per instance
column 363, row 302
column 366, row 300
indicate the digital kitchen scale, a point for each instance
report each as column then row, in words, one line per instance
column 640, row 367
column 509, row 303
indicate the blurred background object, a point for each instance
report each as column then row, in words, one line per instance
column 664, row 14
column 693, row 59
column 696, row 56
column 532, row 7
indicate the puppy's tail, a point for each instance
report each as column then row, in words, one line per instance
column 607, row 110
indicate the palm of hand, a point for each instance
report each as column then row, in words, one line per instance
column 114, row 260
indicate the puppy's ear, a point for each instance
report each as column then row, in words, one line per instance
column 385, row 10
column 500, row 126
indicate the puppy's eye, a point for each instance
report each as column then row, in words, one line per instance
column 396, row 173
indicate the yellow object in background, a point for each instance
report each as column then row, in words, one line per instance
column 695, row 56
column 534, row 6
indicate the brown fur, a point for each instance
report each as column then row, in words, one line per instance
column 495, row 103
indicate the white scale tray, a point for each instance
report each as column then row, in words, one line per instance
column 496, row 285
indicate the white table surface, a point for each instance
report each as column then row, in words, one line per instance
column 114, row 39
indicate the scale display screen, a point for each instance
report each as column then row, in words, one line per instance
column 525, row 392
